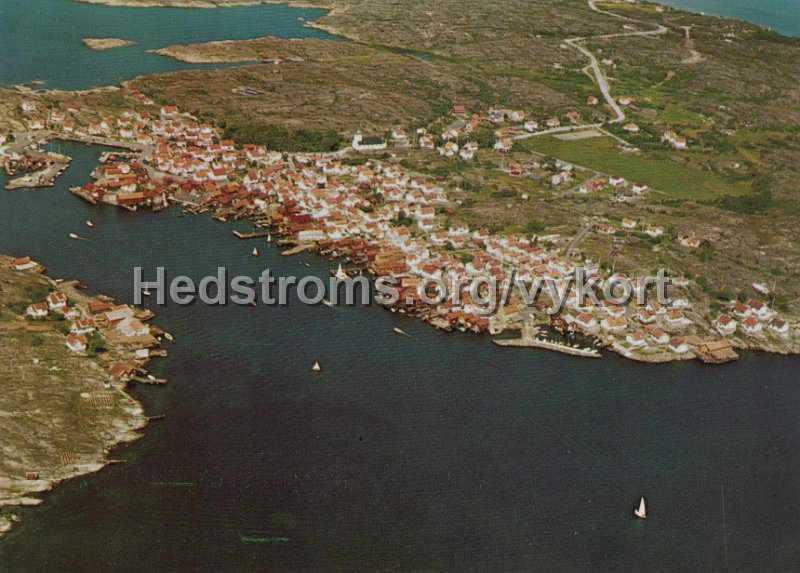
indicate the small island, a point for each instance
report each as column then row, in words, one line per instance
column 100, row 44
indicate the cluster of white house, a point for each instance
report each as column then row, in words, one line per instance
column 324, row 198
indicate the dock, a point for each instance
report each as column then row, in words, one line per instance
column 43, row 178
column 549, row 345
column 301, row 248
column 254, row 235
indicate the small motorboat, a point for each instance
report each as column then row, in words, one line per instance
column 75, row 236
column 169, row 337
column 327, row 303
column 316, row 367
column 90, row 224
column 400, row 331
column 269, row 238
column 641, row 511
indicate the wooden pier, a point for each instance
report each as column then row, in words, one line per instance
column 549, row 345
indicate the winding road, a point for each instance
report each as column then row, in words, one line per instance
column 600, row 77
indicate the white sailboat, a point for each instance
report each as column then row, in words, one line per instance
column 340, row 274
column 269, row 238
column 316, row 367
column 327, row 303
column 255, row 251
column 641, row 511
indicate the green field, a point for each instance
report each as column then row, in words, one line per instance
column 673, row 179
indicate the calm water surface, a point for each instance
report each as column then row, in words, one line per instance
column 434, row 452
column 41, row 39
column 430, row 453
column 780, row 15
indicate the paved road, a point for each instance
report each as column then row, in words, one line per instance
column 600, row 76
column 579, row 237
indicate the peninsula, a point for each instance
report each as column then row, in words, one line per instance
column 65, row 362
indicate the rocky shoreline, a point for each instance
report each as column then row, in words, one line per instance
column 64, row 411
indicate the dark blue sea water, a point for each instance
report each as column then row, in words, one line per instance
column 780, row 15
column 41, row 39
column 435, row 452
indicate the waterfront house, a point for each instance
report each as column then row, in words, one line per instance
column 132, row 327
column 678, row 345
column 636, row 339
column 24, row 264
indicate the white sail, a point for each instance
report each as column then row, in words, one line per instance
column 255, row 251
column 269, row 238
column 641, row 512
column 316, row 367
column 340, row 274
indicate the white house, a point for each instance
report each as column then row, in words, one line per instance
column 76, row 343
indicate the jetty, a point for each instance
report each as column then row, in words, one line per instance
column 301, row 248
column 530, row 342
column 44, row 178
column 254, row 235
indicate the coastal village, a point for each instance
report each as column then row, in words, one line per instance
column 73, row 355
column 388, row 222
